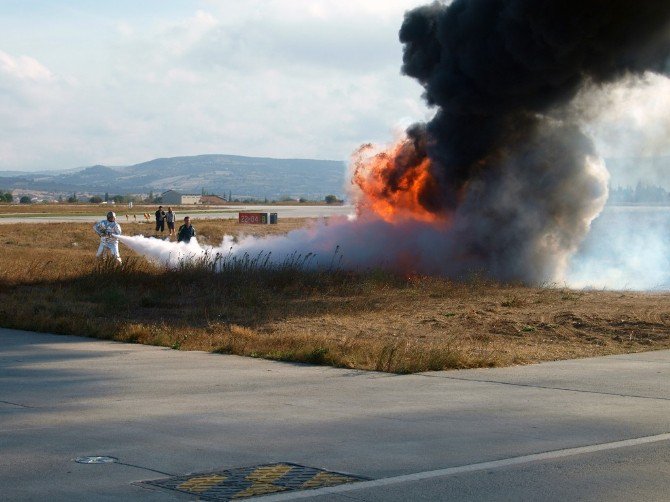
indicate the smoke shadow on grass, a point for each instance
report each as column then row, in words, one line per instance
column 191, row 296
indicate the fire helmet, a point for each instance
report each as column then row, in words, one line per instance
column 111, row 215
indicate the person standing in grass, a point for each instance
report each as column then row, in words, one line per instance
column 108, row 230
column 160, row 219
column 186, row 231
column 170, row 218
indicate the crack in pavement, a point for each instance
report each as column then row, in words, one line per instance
column 16, row 404
column 547, row 387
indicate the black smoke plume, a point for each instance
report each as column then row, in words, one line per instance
column 512, row 165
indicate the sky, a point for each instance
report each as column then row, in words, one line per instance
column 85, row 82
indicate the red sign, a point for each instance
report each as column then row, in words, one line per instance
column 253, row 218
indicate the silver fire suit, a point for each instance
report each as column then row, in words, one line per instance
column 108, row 231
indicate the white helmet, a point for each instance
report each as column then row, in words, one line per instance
column 111, row 215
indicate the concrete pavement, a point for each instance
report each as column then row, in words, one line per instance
column 590, row 429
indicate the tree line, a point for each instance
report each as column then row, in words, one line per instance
column 641, row 193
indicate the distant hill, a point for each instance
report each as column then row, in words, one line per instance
column 220, row 174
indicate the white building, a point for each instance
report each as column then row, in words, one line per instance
column 178, row 198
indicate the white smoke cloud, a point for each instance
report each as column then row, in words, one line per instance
column 164, row 252
column 629, row 122
column 628, row 247
column 631, row 117
column 361, row 243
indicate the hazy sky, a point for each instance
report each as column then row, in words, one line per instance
column 85, row 82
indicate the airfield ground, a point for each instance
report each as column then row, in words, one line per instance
column 50, row 282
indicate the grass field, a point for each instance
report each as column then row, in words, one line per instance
column 50, row 281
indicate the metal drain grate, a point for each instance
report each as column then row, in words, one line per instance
column 96, row 460
column 253, row 481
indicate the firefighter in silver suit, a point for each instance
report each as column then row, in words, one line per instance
column 108, row 230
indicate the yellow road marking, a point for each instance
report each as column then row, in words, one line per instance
column 259, row 489
column 201, row 483
column 269, row 474
column 262, row 479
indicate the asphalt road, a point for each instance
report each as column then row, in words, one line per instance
column 591, row 429
column 229, row 212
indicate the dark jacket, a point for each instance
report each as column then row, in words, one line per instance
column 160, row 215
column 185, row 233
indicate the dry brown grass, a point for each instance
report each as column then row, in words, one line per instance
column 50, row 281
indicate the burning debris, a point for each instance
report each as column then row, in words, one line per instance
column 502, row 180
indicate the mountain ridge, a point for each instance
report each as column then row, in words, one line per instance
column 215, row 173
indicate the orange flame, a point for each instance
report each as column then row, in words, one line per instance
column 391, row 187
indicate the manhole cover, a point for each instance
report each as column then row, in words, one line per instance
column 96, row 460
column 253, row 481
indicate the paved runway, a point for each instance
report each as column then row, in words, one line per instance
column 590, row 429
column 197, row 213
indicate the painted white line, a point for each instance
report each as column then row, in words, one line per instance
column 450, row 471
